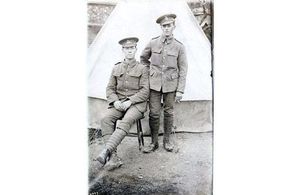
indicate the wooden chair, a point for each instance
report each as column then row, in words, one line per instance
column 140, row 133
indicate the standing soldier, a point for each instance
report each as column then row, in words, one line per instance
column 127, row 93
column 168, row 69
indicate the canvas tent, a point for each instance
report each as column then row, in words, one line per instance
column 137, row 18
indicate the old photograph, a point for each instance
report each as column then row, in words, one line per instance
column 150, row 96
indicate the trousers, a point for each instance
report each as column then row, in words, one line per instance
column 127, row 118
column 154, row 115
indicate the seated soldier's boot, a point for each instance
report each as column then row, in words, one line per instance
column 114, row 162
column 168, row 146
column 111, row 145
column 150, row 148
column 104, row 156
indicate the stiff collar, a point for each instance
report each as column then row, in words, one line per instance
column 130, row 63
column 164, row 39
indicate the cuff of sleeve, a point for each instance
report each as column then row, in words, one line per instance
column 132, row 99
column 111, row 102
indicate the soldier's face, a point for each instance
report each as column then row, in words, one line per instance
column 168, row 29
column 129, row 52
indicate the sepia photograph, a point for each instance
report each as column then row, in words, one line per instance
column 150, row 96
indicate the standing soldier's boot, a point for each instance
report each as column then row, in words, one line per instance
column 154, row 136
column 168, row 124
column 111, row 145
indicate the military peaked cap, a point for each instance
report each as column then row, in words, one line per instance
column 166, row 19
column 129, row 41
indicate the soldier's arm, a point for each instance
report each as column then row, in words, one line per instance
column 143, row 94
column 146, row 54
column 182, row 67
column 111, row 94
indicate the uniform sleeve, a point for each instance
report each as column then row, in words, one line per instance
column 111, row 88
column 182, row 67
column 146, row 54
column 143, row 94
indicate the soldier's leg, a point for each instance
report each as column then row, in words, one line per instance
column 108, row 123
column 169, row 101
column 154, row 119
column 123, row 127
column 131, row 115
column 118, row 135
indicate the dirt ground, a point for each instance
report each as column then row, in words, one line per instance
column 186, row 171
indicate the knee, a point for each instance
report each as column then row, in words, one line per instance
column 169, row 112
column 155, row 109
column 127, row 122
column 107, row 121
column 154, row 116
column 125, row 125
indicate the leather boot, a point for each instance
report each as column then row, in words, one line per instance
column 168, row 125
column 114, row 162
column 104, row 156
column 154, row 126
column 150, row 148
column 111, row 145
column 168, row 146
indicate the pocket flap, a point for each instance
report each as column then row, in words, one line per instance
column 135, row 74
column 118, row 74
column 156, row 50
column 173, row 53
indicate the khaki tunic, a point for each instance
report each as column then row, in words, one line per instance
column 168, row 64
column 129, row 81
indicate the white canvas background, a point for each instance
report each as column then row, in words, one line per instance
column 137, row 18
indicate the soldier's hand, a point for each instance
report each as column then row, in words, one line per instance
column 118, row 105
column 126, row 104
column 178, row 97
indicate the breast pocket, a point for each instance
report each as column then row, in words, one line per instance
column 134, row 80
column 156, row 56
column 172, row 58
column 120, row 78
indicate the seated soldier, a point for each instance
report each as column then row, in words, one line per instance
column 127, row 93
